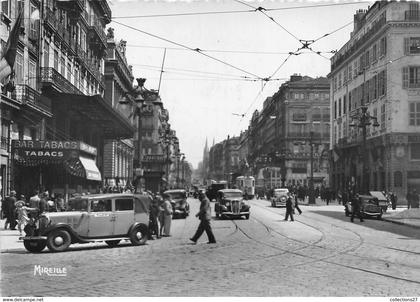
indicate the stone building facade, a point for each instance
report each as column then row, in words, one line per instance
column 378, row 69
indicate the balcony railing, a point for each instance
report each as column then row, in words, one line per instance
column 97, row 30
column 412, row 15
column 51, row 76
column 27, row 95
column 154, row 158
column 77, row 5
column 81, row 54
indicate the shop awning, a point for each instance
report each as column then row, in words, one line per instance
column 91, row 170
column 100, row 112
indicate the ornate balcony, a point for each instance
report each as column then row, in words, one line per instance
column 73, row 5
column 4, row 143
column 52, row 78
column 97, row 34
column 29, row 96
column 51, row 20
column 81, row 55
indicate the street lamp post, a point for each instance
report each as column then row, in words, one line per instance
column 311, row 179
column 363, row 120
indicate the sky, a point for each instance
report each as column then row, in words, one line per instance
column 213, row 92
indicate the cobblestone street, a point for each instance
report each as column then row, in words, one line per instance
column 320, row 254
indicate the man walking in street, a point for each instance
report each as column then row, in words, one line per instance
column 356, row 208
column 205, row 216
column 10, row 209
column 289, row 208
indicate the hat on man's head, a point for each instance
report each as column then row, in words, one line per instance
column 13, row 192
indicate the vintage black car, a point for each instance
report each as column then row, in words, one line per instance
column 369, row 207
column 230, row 203
column 180, row 205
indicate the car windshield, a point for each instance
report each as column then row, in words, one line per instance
column 233, row 195
column 177, row 195
column 77, row 205
column 281, row 192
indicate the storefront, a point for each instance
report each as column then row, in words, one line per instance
column 61, row 167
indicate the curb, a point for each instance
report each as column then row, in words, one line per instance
column 401, row 223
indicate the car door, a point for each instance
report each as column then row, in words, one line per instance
column 123, row 215
column 101, row 219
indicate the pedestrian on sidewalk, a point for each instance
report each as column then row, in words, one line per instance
column 356, row 208
column 205, row 216
column 10, row 208
column 393, row 199
column 167, row 215
column 297, row 206
column 34, row 200
column 22, row 213
column 289, row 208
column 154, row 215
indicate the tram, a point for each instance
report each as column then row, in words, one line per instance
column 247, row 185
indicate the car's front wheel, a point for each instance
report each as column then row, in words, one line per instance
column 112, row 243
column 58, row 240
column 34, row 246
column 138, row 235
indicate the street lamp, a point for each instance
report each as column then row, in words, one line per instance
column 362, row 120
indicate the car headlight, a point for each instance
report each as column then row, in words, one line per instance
column 228, row 204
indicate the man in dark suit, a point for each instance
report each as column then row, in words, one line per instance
column 356, row 204
column 289, row 208
column 205, row 216
column 9, row 202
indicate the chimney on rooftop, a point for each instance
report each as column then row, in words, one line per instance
column 358, row 19
column 295, row 78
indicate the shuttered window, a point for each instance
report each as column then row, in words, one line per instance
column 411, row 77
column 412, row 45
column 414, row 114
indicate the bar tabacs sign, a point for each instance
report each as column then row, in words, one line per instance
column 45, row 149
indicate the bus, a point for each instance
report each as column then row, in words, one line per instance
column 247, row 185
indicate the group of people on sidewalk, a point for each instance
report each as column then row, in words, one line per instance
column 16, row 210
column 161, row 217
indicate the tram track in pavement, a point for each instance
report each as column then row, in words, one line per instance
column 325, row 259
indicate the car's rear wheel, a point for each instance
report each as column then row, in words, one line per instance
column 112, row 243
column 138, row 235
column 34, row 246
column 247, row 216
column 58, row 240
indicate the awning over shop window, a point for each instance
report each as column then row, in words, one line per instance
column 91, row 170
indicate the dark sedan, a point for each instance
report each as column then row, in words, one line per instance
column 230, row 203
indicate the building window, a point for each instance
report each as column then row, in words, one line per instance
column 63, row 66
column 414, row 114
column 412, row 45
column 56, row 60
column 382, row 47
column 398, row 179
column 339, row 80
column 32, row 74
column 415, row 151
column 374, row 53
column 335, row 109
column 383, row 116
column 299, row 117
column 19, row 66
column 339, row 107
column 411, row 77
column 46, row 54
column 349, row 101
column 344, row 104
column 5, row 7
column 382, row 83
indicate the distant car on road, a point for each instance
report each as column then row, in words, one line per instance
column 279, row 197
column 382, row 200
column 91, row 218
column 369, row 207
column 230, row 203
column 180, row 205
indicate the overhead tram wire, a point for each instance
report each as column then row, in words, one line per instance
column 213, row 50
column 262, row 10
column 197, row 50
column 338, row 29
column 236, row 11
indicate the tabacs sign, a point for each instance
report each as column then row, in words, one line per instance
column 35, row 148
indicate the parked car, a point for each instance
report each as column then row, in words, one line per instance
column 180, row 205
column 279, row 197
column 230, row 203
column 98, row 217
column 383, row 201
column 369, row 207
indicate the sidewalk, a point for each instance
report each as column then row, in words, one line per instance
column 9, row 240
column 401, row 215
